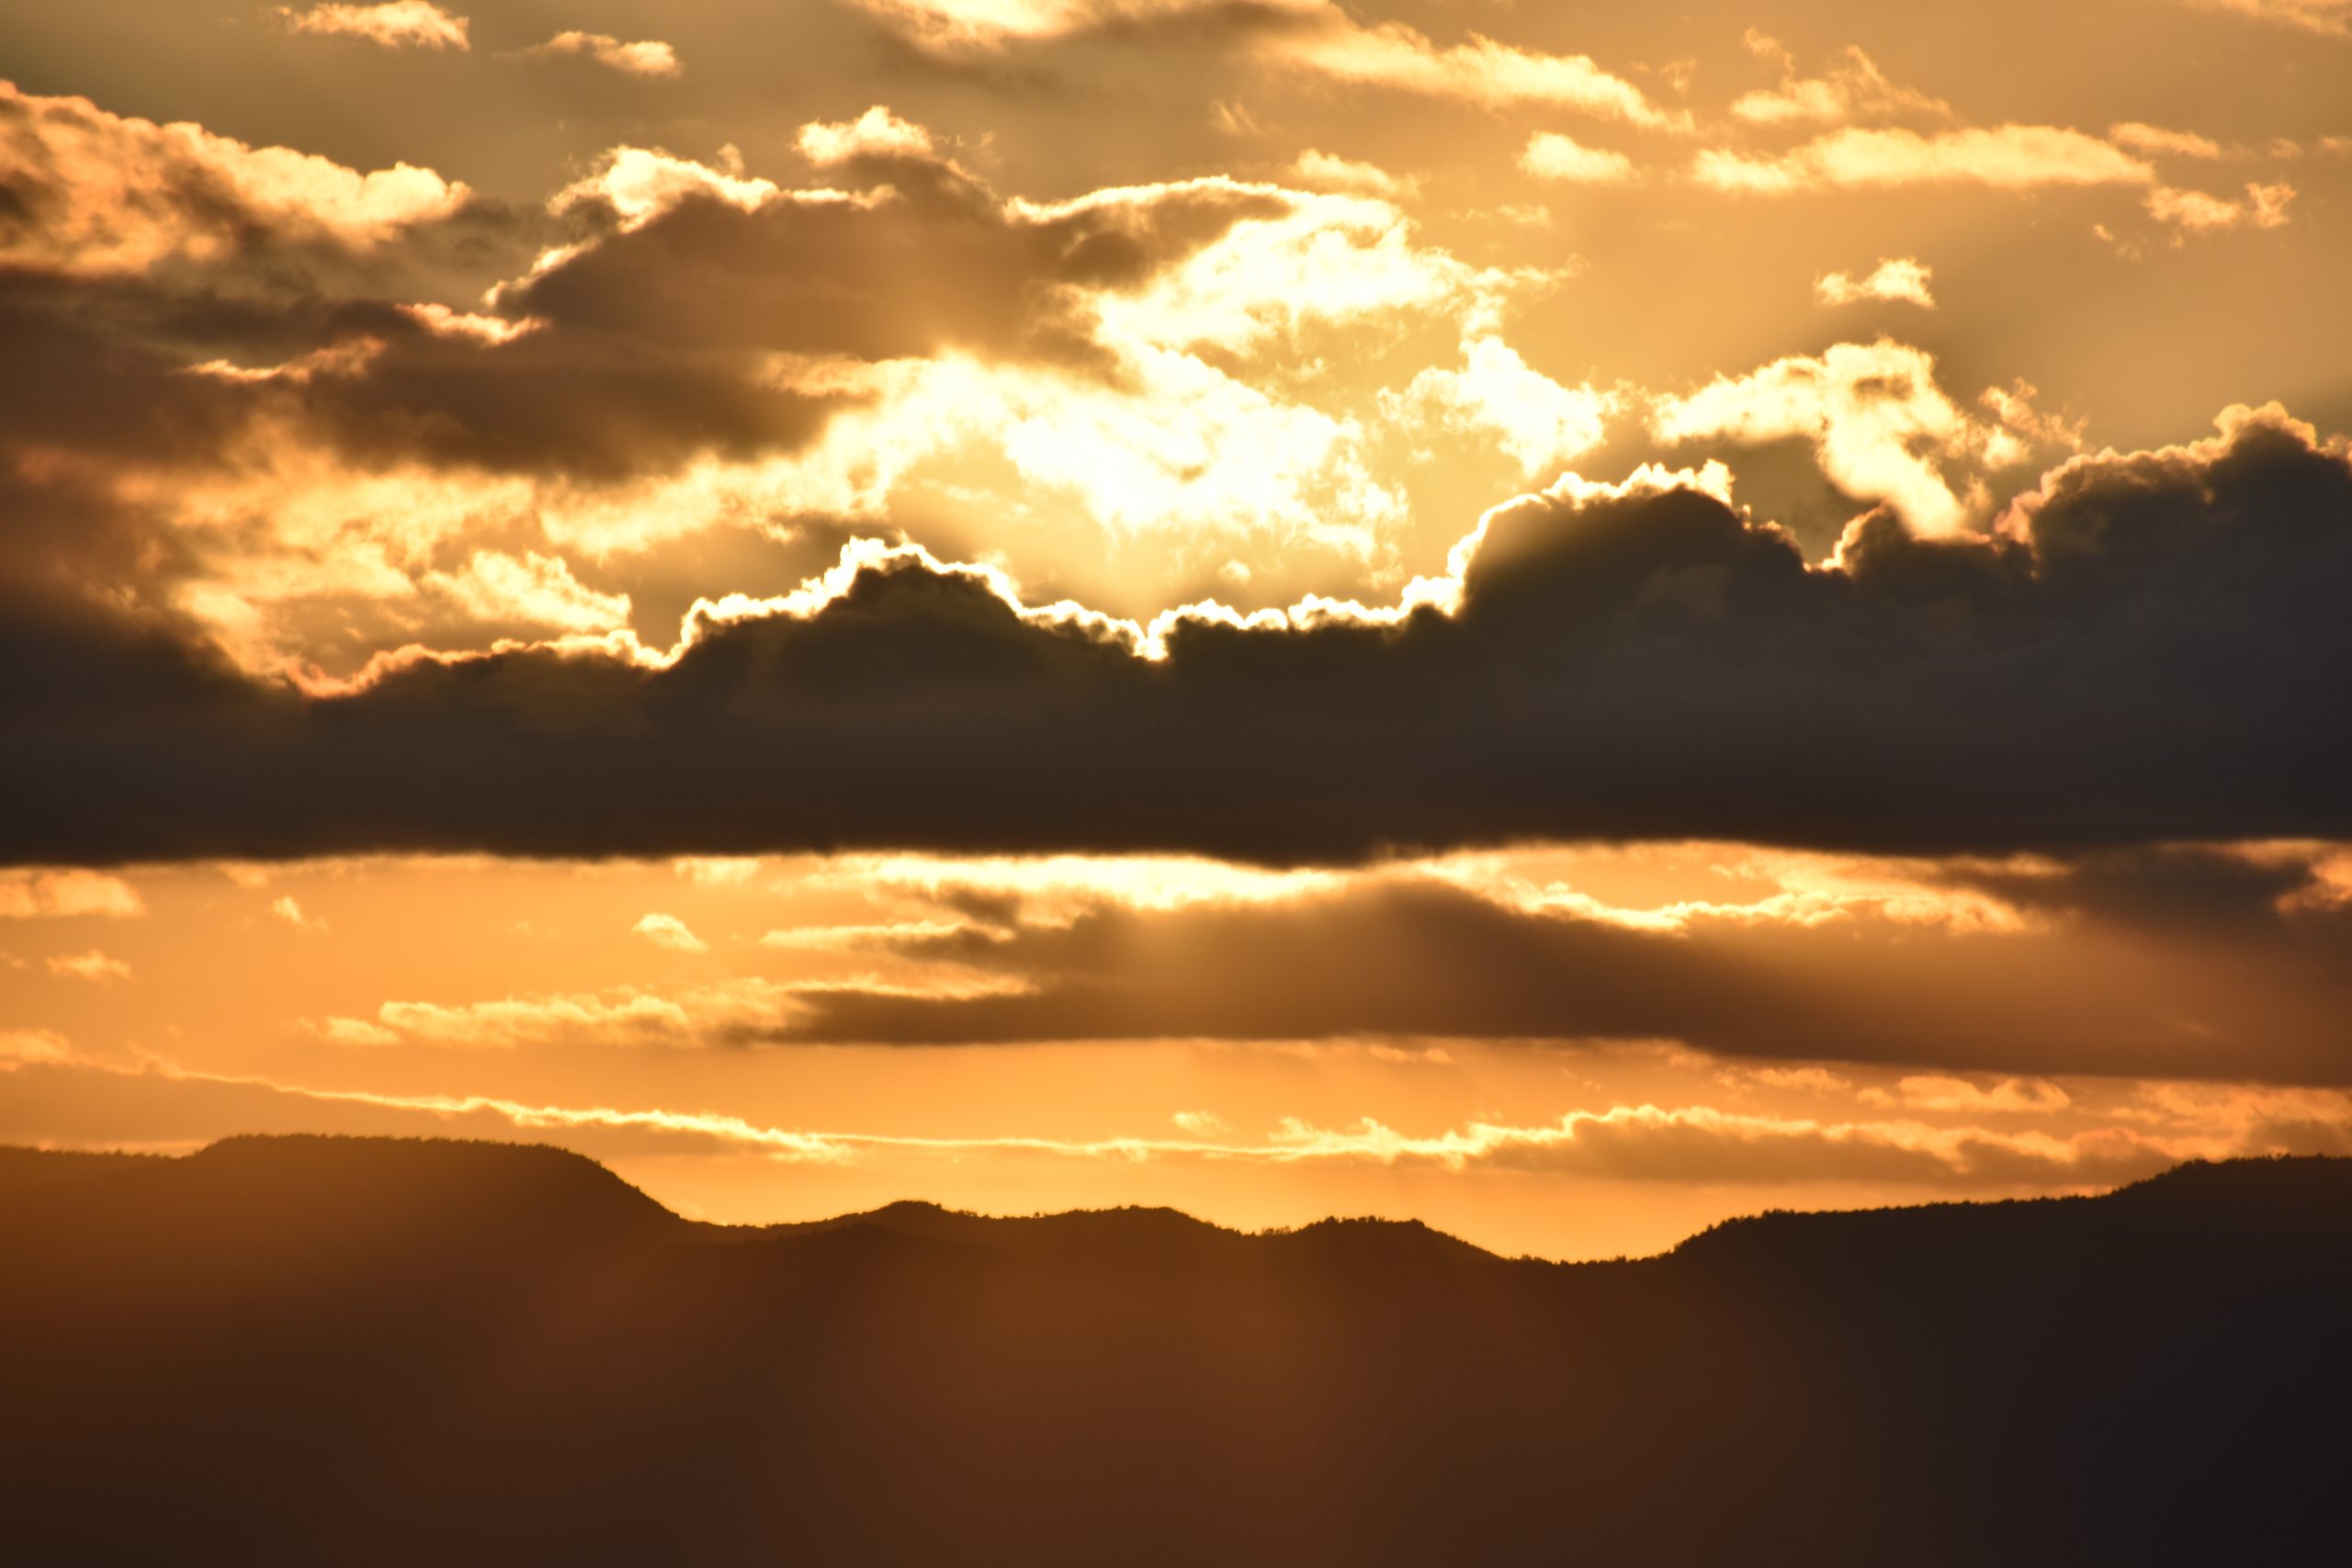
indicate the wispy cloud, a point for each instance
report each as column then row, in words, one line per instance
column 401, row 23
column 2007, row 157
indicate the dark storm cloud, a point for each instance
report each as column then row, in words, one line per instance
column 2163, row 655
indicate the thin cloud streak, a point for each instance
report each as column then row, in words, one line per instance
column 1625, row 1142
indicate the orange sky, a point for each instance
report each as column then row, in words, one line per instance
column 1566, row 624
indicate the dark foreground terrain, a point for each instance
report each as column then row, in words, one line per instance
column 341, row 1351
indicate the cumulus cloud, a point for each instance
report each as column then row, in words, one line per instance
column 1143, row 357
column 1876, row 419
column 96, row 195
column 401, row 23
column 647, row 57
column 2195, row 212
column 1899, row 278
column 1549, row 155
column 1599, row 661
column 1540, row 424
column 1852, row 89
column 2006, row 157
column 876, row 133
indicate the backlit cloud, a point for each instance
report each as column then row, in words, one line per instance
column 1874, row 412
column 1542, row 424
column 96, row 195
column 1576, row 676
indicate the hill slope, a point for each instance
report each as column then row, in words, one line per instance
column 364, row 1352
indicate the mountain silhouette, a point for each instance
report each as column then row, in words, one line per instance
column 370, row 1351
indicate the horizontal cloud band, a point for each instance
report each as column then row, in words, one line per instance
column 2153, row 647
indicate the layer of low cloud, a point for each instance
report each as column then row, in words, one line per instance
column 2176, row 962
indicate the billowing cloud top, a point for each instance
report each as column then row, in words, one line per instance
column 2146, row 648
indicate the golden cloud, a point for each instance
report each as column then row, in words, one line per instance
column 2006, row 157
column 399, row 24
column 117, row 195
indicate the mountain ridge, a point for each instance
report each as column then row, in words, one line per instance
column 376, row 1351
column 25, row 1169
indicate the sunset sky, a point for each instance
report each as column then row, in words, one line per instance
column 1563, row 620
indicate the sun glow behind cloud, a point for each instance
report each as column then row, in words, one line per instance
column 1281, row 608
